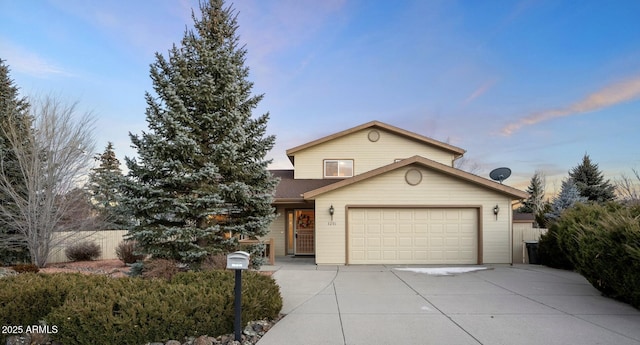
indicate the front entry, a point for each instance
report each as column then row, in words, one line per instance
column 304, row 232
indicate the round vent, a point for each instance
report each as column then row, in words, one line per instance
column 413, row 177
column 374, row 135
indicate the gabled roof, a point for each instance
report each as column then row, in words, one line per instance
column 427, row 163
column 380, row 125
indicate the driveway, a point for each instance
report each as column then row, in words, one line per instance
column 502, row 304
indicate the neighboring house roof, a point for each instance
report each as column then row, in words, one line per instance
column 290, row 190
column 523, row 217
column 427, row 163
column 458, row 152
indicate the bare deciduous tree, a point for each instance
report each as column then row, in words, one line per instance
column 468, row 165
column 628, row 189
column 53, row 157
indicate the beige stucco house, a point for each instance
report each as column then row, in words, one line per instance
column 378, row 194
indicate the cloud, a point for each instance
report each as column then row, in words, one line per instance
column 27, row 62
column 611, row 95
column 480, row 91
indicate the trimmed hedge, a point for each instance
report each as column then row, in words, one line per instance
column 92, row 309
column 602, row 242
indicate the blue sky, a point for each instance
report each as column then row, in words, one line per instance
column 532, row 85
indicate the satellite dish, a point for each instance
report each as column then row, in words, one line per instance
column 500, row 174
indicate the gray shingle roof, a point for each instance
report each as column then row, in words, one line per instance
column 290, row 188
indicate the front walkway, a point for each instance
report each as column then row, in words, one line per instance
column 375, row 304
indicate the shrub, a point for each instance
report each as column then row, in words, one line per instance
column 83, row 251
column 14, row 255
column 214, row 262
column 603, row 244
column 92, row 309
column 550, row 252
column 24, row 268
column 25, row 299
column 159, row 268
column 126, row 252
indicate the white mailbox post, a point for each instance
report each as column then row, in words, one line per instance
column 238, row 261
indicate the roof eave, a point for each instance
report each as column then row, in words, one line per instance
column 458, row 152
column 512, row 192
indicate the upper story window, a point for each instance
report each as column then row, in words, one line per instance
column 338, row 168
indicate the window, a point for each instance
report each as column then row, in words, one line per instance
column 338, row 168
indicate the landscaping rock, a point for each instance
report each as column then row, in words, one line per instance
column 5, row 272
column 204, row 340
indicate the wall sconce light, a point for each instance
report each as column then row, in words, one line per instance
column 496, row 210
column 331, row 211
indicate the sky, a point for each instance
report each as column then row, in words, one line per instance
column 529, row 85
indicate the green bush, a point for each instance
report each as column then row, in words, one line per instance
column 83, row 251
column 550, row 252
column 27, row 298
column 91, row 309
column 603, row 244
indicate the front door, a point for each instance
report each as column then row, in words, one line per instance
column 304, row 231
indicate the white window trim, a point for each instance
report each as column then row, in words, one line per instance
column 324, row 170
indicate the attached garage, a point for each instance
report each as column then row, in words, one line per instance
column 413, row 235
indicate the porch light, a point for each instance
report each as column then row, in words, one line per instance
column 331, row 210
column 496, row 210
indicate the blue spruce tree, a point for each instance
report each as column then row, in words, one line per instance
column 200, row 180
column 569, row 195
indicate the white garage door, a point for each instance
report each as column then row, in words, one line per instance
column 413, row 236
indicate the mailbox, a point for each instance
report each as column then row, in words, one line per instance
column 238, row 260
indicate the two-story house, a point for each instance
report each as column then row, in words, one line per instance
column 378, row 194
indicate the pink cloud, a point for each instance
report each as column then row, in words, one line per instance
column 611, row 95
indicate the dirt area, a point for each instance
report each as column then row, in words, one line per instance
column 112, row 268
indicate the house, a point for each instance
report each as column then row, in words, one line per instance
column 378, row 194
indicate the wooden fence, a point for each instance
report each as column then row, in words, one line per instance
column 524, row 232
column 108, row 240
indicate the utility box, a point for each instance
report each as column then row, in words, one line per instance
column 238, row 260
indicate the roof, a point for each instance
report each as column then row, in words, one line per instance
column 291, row 190
column 458, row 152
column 523, row 217
column 427, row 163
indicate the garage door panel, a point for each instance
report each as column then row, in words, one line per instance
column 373, row 242
column 390, row 242
column 390, row 228
column 420, row 242
column 405, row 242
column 390, row 255
column 413, row 236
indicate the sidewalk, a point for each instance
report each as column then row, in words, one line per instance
column 521, row 304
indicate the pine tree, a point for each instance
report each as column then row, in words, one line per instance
column 535, row 203
column 105, row 187
column 13, row 110
column 590, row 181
column 569, row 195
column 201, row 170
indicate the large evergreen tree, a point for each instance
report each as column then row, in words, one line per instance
column 201, row 170
column 13, row 112
column 105, row 188
column 590, row 181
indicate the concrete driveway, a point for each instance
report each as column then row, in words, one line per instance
column 520, row 304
